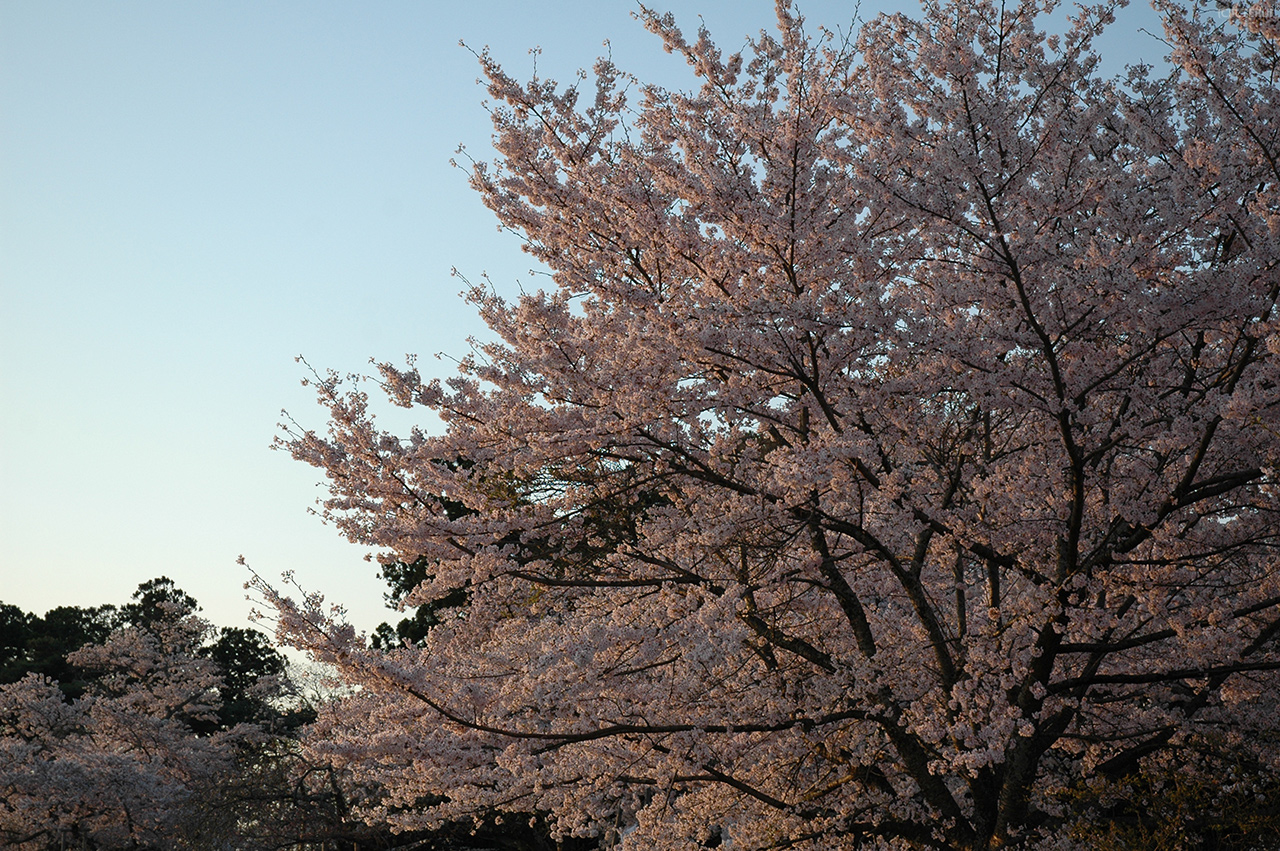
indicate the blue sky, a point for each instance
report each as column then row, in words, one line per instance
column 192, row 194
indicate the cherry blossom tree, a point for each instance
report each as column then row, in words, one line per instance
column 162, row 743
column 120, row 767
column 892, row 463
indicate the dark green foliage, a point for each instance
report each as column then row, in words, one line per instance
column 15, row 632
column 403, row 578
column 157, row 600
column 244, row 657
column 39, row 645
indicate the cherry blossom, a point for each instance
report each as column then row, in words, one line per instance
column 121, row 766
column 893, row 457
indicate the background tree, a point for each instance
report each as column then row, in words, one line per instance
column 249, row 667
column 120, row 767
column 940, row 377
column 165, row 734
column 155, row 601
column 403, row 579
column 15, row 632
column 251, row 670
column 40, row 645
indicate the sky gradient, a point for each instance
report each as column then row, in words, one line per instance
column 191, row 195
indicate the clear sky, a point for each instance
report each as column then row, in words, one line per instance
column 192, row 194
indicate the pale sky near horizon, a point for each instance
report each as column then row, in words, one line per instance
column 191, row 194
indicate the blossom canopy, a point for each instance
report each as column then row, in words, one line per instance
column 892, row 462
